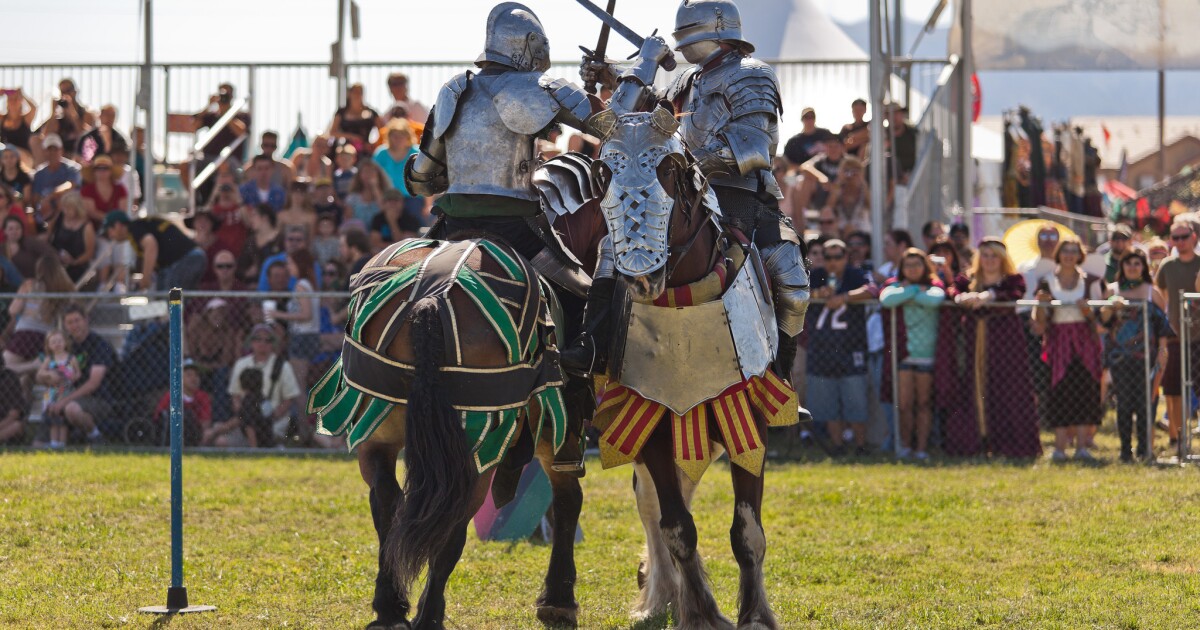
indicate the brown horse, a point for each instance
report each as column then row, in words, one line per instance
column 424, row 525
column 672, row 575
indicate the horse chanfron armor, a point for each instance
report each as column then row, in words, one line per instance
column 636, row 206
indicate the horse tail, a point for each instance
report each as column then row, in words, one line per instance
column 439, row 473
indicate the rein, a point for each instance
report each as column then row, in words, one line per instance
column 676, row 253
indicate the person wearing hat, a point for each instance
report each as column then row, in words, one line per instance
column 400, row 144
column 1119, row 242
column 197, row 406
column 101, row 191
column 837, row 348
column 801, row 147
column 56, row 176
column 169, row 257
column 280, row 390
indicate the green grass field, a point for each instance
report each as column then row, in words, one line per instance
column 287, row 542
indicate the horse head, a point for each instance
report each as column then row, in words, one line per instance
column 643, row 170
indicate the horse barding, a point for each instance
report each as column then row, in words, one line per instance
column 689, row 373
column 450, row 355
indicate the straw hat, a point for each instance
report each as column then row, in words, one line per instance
column 1021, row 239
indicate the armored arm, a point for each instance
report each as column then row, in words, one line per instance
column 425, row 172
column 635, row 86
column 747, row 141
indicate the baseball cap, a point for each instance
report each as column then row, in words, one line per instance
column 215, row 303
column 835, row 242
column 263, row 328
column 806, row 112
column 1121, row 230
column 52, row 140
column 114, row 217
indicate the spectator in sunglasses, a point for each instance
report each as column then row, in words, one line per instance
column 1178, row 273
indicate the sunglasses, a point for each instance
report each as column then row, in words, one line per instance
column 223, row 266
column 1133, row 261
column 1047, row 237
column 263, row 339
column 1181, row 237
column 1069, row 250
column 834, row 256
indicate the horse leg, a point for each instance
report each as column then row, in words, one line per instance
column 432, row 612
column 377, row 464
column 658, row 577
column 749, row 543
column 556, row 604
column 696, row 607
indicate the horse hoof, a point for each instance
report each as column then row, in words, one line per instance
column 558, row 616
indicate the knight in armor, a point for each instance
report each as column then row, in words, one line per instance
column 477, row 151
column 729, row 106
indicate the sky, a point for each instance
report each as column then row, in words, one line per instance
column 302, row 30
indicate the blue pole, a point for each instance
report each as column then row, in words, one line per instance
column 177, row 597
column 175, row 313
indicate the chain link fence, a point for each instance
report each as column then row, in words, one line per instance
column 917, row 375
column 1183, row 425
column 912, row 374
column 93, row 368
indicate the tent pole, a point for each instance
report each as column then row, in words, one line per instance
column 1162, row 123
column 878, row 169
column 966, row 69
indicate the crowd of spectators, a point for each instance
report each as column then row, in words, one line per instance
column 987, row 354
column 292, row 226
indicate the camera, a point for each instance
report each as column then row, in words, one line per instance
column 62, row 102
column 225, row 188
column 224, row 98
column 937, row 260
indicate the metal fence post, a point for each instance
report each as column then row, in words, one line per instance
column 1150, row 351
column 1185, row 369
column 895, row 386
column 251, row 70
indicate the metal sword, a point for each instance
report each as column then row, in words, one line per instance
column 668, row 64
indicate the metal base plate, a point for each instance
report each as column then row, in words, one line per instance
column 163, row 610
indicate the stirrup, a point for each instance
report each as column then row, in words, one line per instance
column 587, row 342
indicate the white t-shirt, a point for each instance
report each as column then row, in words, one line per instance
column 1034, row 271
column 285, row 387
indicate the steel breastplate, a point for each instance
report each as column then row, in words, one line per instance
column 706, row 113
column 483, row 156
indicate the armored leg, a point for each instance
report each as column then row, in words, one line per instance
column 789, row 277
column 588, row 354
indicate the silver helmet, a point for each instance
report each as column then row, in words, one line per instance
column 515, row 38
column 709, row 20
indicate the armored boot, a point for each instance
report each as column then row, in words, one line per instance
column 588, row 354
column 580, row 399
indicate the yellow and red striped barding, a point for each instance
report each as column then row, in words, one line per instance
column 626, row 420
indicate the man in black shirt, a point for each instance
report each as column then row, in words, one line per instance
column 169, row 258
column 804, row 145
column 89, row 402
column 857, row 134
column 904, row 147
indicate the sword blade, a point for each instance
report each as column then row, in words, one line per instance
column 614, row 23
column 602, row 43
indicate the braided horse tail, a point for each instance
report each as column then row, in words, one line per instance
column 439, row 472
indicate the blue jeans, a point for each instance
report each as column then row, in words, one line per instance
column 184, row 273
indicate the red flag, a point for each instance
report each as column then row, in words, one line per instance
column 1107, row 134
